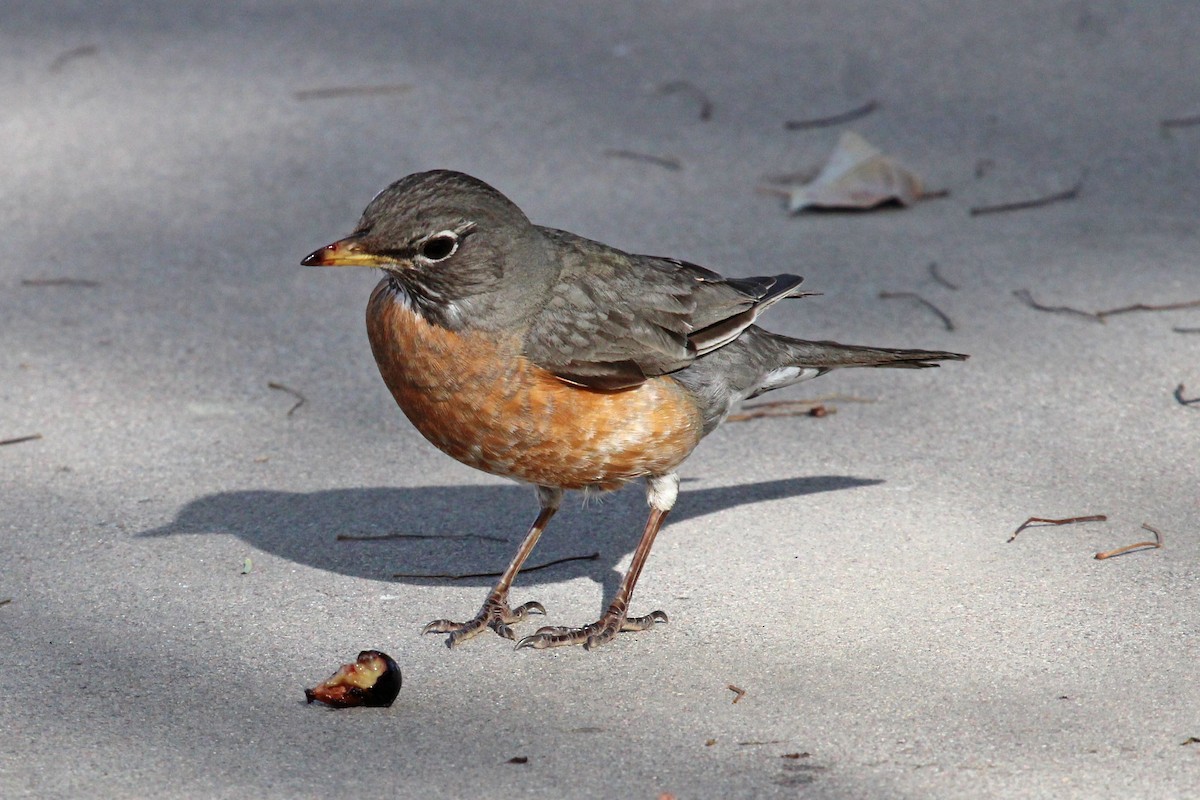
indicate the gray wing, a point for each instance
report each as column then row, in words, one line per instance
column 614, row 319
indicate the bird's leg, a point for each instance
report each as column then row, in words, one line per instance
column 495, row 613
column 661, row 493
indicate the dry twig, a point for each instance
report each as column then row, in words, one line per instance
column 18, row 439
column 1102, row 316
column 1040, row 521
column 352, row 91
column 793, row 408
column 80, row 282
column 914, row 296
column 666, row 162
column 1112, row 312
column 1026, row 297
column 68, row 56
column 692, row 90
column 300, row 399
column 937, row 277
column 1129, row 548
column 836, row 119
column 1180, row 122
column 1178, row 398
column 463, row 576
column 1021, row 205
column 738, row 692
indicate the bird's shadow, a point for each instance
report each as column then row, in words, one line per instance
column 456, row 529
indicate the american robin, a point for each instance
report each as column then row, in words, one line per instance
column 542, row 356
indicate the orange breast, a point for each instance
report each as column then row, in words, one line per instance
column 479, row 400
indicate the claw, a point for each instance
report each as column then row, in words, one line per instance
column 494, row 614
column 590, row 636
column 642, row 623
column 525, row 609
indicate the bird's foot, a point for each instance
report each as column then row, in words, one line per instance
column 602, row 630
column 495, row 614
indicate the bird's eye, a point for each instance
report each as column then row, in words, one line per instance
column 439, row 246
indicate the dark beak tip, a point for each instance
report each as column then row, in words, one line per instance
column 314, row 259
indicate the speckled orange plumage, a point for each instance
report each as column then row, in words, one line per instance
column 480, row 401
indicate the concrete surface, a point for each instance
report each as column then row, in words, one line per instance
column 851, row 573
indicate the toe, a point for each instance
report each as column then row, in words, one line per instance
column 642, row 623
column 524, row 610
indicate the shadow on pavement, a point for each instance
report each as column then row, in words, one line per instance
column 458, row 529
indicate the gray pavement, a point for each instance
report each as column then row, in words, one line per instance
column 850, row 573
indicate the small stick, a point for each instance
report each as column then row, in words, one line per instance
column 914, row 296
column 81, row 282
column 352, row 91
column 30, row 438
column 1112, row 312
column 1025, row 296
column 666, row 162
column 937, row 276
column 1102, row 316
column 1185, row 330
column 836, row 119
column 1157, row 543
column 1180, row 122
column 804, row 408
column 366, row 537
column 465, row 575
column 692, row 90
column 755, row 744
column 797, row 755
column 793, row 408
column 738, row 692
column 1178, row 397
column 1021, row 205
column 70, row 55
column 832, row 398
column 1067, row 521
column 300, row 399
column 5, row 601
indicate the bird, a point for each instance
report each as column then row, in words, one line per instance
column 560, row 362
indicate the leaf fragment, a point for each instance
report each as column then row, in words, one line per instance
column 856, row 176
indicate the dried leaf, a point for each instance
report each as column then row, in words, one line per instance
column 857, row 175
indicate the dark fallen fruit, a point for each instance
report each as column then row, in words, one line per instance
column 372, row 680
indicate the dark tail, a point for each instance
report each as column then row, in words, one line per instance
column 759, row 361
column 831, row 355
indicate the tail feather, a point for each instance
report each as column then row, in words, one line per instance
column 758, row 361
column 832, row 355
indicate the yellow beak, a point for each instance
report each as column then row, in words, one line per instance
column 345, row 253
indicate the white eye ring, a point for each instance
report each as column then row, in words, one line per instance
column 439, row 246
